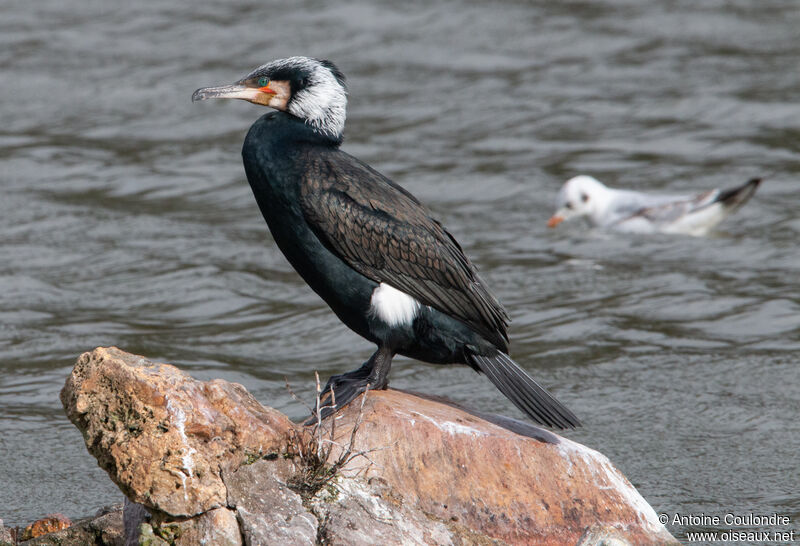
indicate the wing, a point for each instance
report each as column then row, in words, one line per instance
column 668, row 213
column 384, row 233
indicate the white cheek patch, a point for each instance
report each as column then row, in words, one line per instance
column 323, row 106
column 393, row 306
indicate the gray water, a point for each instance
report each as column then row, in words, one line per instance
column 125, row 219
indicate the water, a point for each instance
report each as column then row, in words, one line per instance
column 125, row 219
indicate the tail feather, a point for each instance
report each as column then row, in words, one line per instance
column 738, row 196
column 524, row 392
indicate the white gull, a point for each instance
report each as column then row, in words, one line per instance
column 637, row 212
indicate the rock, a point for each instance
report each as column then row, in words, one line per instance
column 267, row 509
column 363, row 513
column 162, row 436
column 105, row 529
column 133, row 515
column 217, row 526
column 6, row 536
column 211, row 465
column 458, row 467
column 147, row 537
column 599, row 535
column 48, row 524
column 108, row 528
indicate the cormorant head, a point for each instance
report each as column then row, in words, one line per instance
column 310, row 89
column 579, row 196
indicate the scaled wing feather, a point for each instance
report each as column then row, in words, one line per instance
column 385, row 234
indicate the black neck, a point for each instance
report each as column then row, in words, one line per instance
column 287, row 128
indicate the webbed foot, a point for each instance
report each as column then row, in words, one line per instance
column 342, row 389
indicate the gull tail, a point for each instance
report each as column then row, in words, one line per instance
column 523, row 391
column 736, row 197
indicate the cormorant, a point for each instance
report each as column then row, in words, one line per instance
column 365, row 245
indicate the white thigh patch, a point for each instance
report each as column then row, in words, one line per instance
column 393, row 306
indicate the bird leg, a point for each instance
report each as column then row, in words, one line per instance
column 344, row 388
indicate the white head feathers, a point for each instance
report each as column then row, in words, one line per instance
column 318, row 93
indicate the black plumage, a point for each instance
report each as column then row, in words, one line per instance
column 384, row 233
column 369, row 248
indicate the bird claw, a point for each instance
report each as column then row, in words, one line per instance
column 342, row 389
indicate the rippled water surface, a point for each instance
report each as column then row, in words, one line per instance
column 125, row 219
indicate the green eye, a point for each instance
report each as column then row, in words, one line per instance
column 263, row 82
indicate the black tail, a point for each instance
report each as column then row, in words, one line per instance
column 738, row 196
column 524, row 392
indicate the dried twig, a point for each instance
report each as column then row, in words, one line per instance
column 295, row 397
column 315, row 450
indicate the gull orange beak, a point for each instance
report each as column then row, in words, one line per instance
column 554, row 220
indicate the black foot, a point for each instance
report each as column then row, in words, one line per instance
column 342, row 389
